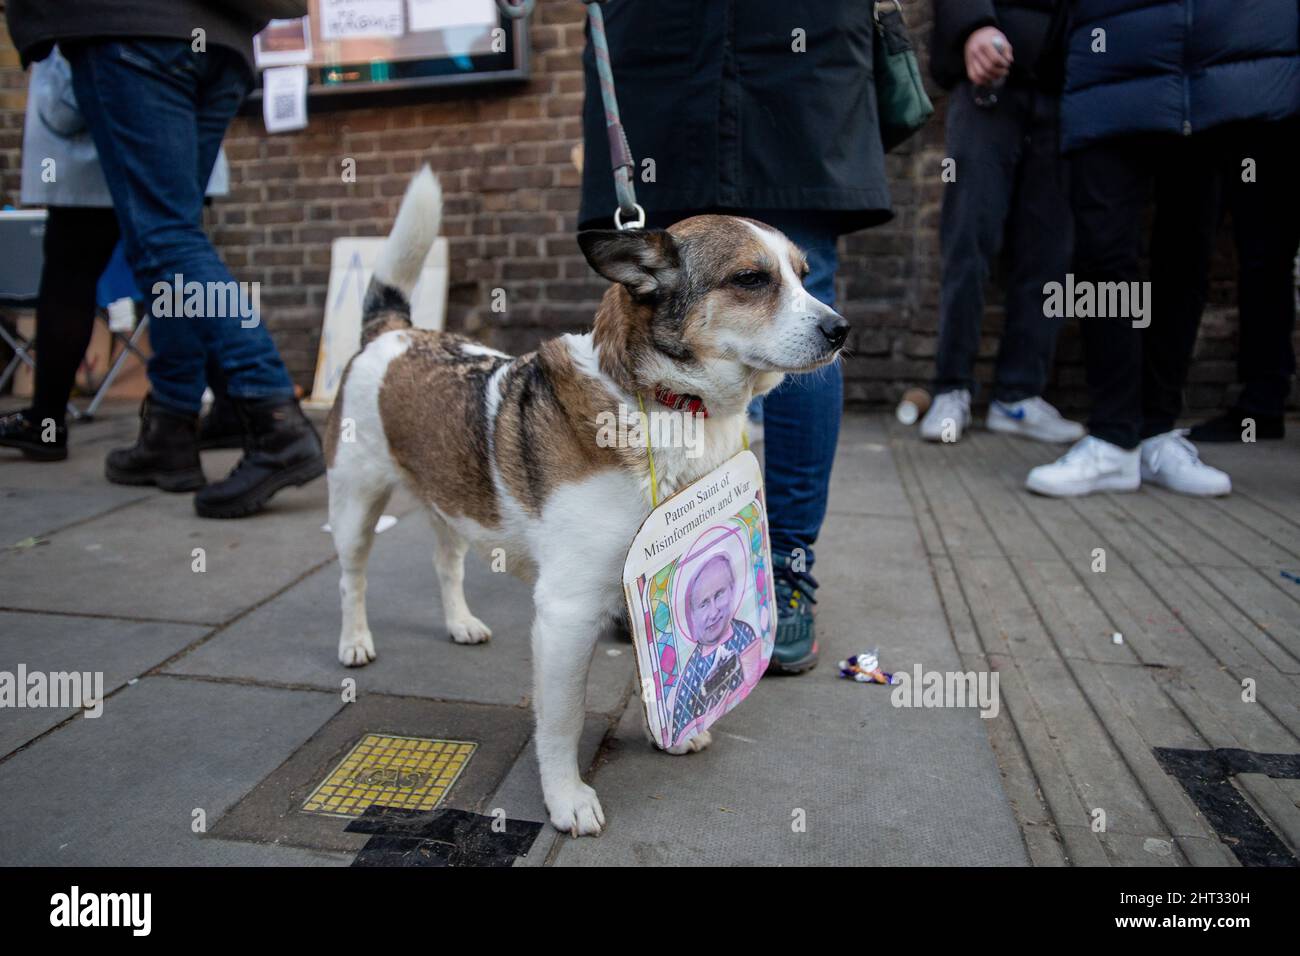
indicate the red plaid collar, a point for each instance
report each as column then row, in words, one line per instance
column 692, row 404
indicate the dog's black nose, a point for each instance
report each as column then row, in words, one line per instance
column 835, row 328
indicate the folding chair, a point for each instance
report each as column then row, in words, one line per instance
column 14, row 339
column 22, row 234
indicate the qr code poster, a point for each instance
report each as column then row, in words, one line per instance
column 698, row 581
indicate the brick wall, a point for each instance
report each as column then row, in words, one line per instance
column 13, row 100
column 504, row 156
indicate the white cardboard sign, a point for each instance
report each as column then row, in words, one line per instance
column 448, row 14
column 352, row 262
column 350, row 19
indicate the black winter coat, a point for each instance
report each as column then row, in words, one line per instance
column 36, row 25
column 734, row 119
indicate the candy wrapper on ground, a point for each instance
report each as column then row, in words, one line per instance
column 865, row 668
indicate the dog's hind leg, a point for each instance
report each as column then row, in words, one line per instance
column 355, row 505
column 449, row 562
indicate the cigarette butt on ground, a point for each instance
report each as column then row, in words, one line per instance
column 914, row 403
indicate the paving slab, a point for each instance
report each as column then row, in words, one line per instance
column 37, row 498
column 137, row 561
column 122, row 790
column 46, row 643
column 33, row 512
column 293, row 639
column 806, row 763
column 864, row 479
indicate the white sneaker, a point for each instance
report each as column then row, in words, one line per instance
column 948, row 416
column 1091, row 465
column 1033, row 418
column 1171, row 460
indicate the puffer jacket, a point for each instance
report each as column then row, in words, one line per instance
column 1177, row 66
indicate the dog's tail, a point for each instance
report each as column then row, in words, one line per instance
column 387, row 303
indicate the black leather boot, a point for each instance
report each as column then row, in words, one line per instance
column 221, row 427
column 27, row 431
column 166, row 454
column 281, row 448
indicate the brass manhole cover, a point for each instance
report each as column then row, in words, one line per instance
column 413, row 773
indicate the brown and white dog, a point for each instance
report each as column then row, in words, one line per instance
column 504, row 451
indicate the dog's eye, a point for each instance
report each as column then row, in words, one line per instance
column 751, row 279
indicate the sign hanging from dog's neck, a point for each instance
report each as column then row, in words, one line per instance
column 700, row 597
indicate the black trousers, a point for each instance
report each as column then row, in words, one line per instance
column 1266, row 226
column 79, row 241
column 1136, row 376
column 1010, row 192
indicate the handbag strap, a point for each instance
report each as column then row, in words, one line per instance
column 875, row 8
column 891, row 27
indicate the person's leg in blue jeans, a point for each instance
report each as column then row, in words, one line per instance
column 801, row 427
column 157, row 112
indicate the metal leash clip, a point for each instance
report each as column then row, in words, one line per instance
column 637, row 223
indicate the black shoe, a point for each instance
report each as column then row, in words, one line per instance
column 281, row 449
column 221, row 427
column 22, row 430
column 166, row 454
column 1231, row 427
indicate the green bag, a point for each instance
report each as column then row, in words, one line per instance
column 901, row 102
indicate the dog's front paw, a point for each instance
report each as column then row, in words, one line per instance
column 469, row 630
column 357, row 652
column 575, row 810
column 694, row 745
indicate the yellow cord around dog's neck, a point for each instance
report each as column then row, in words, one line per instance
column 649, row 453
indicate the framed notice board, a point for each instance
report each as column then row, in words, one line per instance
column 355, row 50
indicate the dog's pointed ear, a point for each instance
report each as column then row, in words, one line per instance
column 646, row 261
